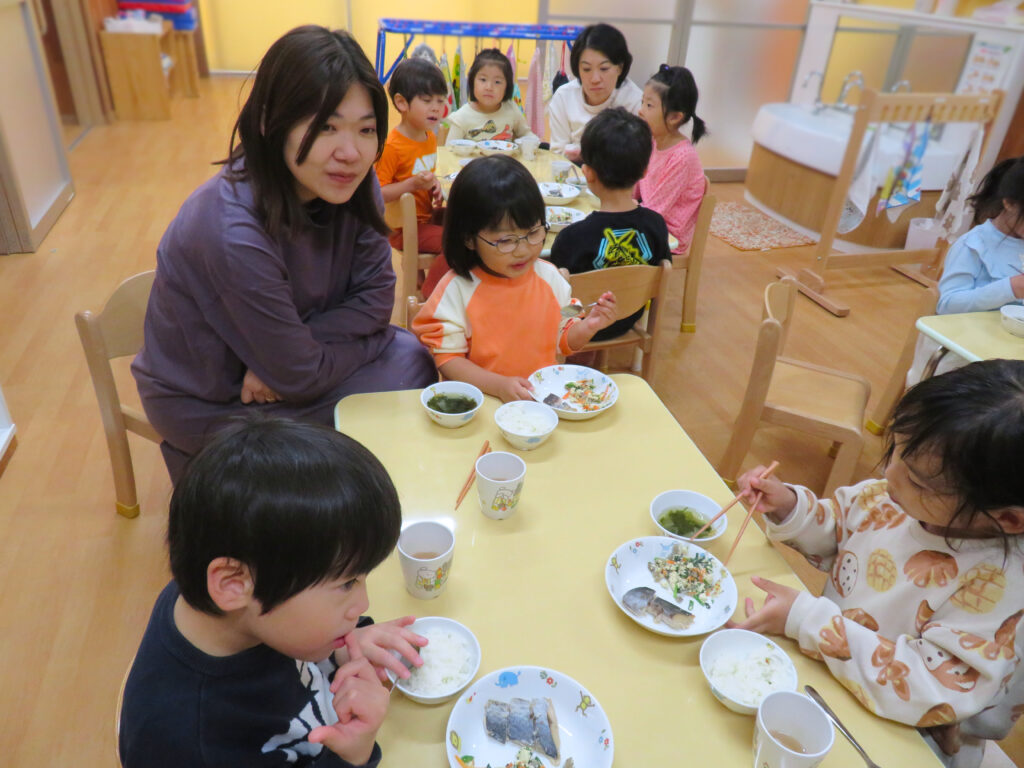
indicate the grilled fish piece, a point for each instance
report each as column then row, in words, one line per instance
column 545, row 728
column 496, row 720
column 520, row 726
column 642, row 600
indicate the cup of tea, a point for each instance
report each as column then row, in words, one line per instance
column 425, row 550
column 565, row 172
column 528, row 146
column 791, row 732
column 499, row 482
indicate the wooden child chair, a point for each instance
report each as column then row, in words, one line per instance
column 633, row 287
column 693, row 259
column 117, row 332
column 898, row 380
column 798, row 395
column 401, row 214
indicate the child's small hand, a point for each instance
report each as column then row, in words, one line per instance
column 603, row 314
column 514, row 388
column 376, row 641
column 255, row 391
column 424, row 180
column 771, row 617
column 778, row 499
column 361, row 703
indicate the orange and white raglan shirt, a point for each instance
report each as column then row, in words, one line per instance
column 919, row 631
column 511, row 326
column 401, row 158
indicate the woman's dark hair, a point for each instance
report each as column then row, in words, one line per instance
column 1004, row 182
column 306, row 73
column 492, row 57
column 970, row 422
column 605, row 39
column 485, row 193
column 617, row 146
column 417, row 77
column 299, row 504
column 678, row 92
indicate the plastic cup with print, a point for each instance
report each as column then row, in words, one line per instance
column 528, row 146
column 791, row 732
column 499, row 482
column 425, row 551
column 565, row 172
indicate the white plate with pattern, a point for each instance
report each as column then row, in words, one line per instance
column 584, row 733
column 555, row 384
column 627, row 569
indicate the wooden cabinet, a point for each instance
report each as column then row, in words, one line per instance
column 140, row 88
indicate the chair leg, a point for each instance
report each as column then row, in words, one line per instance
column 845, row 463
column 601, row 361
column 736, row 451
column 688, row 320
column 127, row 500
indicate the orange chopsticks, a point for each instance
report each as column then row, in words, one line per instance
column 731, row 504
column 472, row 473
column 750, row 513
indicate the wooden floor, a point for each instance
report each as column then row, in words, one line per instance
column 79, row 582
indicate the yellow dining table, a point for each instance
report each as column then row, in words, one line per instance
column 973, row 335
column 532, row 587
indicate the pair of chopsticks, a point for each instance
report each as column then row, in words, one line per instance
column 731, row 504
column 750, row 512
column 472, row 473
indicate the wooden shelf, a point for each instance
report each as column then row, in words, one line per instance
column 140, row 89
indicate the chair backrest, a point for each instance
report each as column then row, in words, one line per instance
column 401, row 214
column 779, row 301
column 633, row 286
column 701, row 228
column 117, row 331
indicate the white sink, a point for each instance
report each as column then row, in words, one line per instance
column 819, row 141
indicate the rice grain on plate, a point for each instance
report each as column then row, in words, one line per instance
column 447, row 662
column 749, row 676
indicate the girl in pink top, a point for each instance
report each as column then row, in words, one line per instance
column 674, row 183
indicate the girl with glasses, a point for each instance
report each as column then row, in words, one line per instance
column 495, row 317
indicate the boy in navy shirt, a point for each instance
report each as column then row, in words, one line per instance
column 257, row 653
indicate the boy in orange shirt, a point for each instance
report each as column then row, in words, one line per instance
column 419, row 93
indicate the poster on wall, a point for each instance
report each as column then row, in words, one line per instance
column 985, row 68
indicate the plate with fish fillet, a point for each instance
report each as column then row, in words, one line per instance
column 671, row 587
column 530, row 716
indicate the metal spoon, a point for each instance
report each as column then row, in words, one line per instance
column 842, row 728
column 573, row 310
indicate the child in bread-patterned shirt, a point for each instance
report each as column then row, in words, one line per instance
column 921, row 618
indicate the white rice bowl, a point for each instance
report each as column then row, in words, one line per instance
column 525, row 424
column 450, row 661
column 743, row 667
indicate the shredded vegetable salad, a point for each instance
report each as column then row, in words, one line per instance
column 584, row 396
column 692, row 576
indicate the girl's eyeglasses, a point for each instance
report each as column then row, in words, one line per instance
column 509, row 243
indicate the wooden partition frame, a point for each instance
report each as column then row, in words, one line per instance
column 881, row 108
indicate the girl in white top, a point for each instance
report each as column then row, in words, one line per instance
column 599, row 61
column 490, row 113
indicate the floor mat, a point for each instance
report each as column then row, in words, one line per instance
column 747, row 229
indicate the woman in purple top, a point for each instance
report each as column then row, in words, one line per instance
column 274, row 285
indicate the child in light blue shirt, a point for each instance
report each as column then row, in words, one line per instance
column 984, row 267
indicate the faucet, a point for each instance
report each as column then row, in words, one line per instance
column 853, row 80
column 895, row 87
column 818, row 106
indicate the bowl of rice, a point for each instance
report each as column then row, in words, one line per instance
column 450, row 661
column 525, row 423
column 743, row 667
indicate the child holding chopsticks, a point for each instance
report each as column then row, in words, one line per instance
column 496, row 317
column 921, row 617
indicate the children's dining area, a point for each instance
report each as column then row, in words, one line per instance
column 541, row 387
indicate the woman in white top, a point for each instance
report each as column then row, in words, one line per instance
column 600, row 62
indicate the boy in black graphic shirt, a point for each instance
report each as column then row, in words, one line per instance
column 615, row 148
